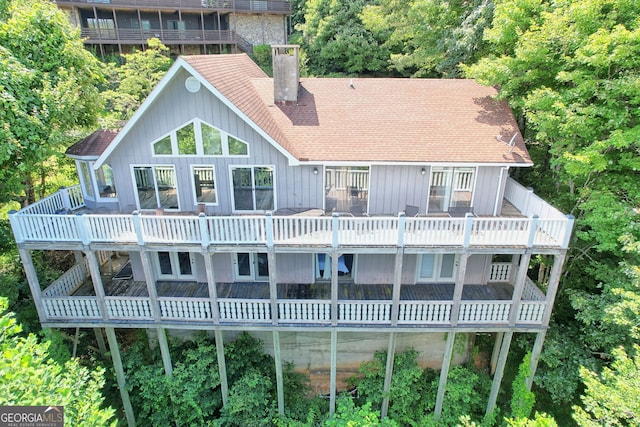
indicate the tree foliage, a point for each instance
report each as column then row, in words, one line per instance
column 571, row 71
column 29, row 376
column 47, row 89
column 611, row 397
column 130, row 82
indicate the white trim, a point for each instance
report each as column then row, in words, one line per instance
column 181, row 64
column 83, row 184
column 192, row 167
column 252, row 167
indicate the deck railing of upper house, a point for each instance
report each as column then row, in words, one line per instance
column 59, row 306
column 274, row 6
column 52, row 220
column 125, row 35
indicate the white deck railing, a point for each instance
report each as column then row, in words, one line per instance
column 410, row 313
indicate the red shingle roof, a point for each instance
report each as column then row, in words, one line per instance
column 94, row 144
column 396, row 120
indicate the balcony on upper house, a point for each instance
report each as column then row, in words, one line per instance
column 256, row 6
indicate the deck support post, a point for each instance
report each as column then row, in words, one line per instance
column 552, row 287
column 444, row 373
column 497, row 377
column 164, row 351
column 122, row 386
column 459, row 286
column 150, row 279
column 279, row 381
column 211, row 286
column 222, row 366
column 100, row 340
column 521, row 278
column 96, row 279
column 34, row 283
column 334, row 287
column 388, row 374
column 496, row 351
column 397, row 283
column 273, row 285
column 535, row 357
column 332, row 378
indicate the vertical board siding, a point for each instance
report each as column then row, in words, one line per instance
column 484, row 198
column 295, row 268
column 296, row 187
column 392, row 188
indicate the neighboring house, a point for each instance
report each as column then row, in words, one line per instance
column 330, row 217
column 186, row 26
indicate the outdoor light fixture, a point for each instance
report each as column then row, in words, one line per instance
column 423, row 171
column 315, row 171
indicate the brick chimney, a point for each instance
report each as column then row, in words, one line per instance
column 286, row 73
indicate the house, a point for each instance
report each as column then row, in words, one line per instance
column 185, row 26
column 316, row 213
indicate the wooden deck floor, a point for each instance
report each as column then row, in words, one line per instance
column 319, row 290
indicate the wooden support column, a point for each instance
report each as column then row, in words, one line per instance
column 96, row 279
column 34, row 283
column 279, row 380
column 100, row 340
column 211, row 286
column 519, row 288
column 552, row 287
column 397, row 283
column 444, row 373
column 496, row 351
column 150, row 279
column 164, row 351
column 535, row 357
column 388, row 374
column 122, row 385
column 332, row 379
column 222, row 366
column 497, row 377
column 334, row 287
column 459, row 286
column 273, row 284
column 77, row 255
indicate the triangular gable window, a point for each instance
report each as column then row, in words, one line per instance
column 198, row 138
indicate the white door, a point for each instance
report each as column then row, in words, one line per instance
column 175, row 266
column 251, row 266
column 437, row 268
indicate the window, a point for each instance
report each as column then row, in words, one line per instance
column 253, row 188
column 197, row 138
column 106, row 185
column 451, row 188
column 204, row 184
column 146, row 24
column 346, row 188
column 156, row 187
column 437, row 268
column 186, row 140
column 85, row 178
column 105, row 27
column 346, row 263
column 175, row 265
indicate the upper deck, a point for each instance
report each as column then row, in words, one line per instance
column 61, row 218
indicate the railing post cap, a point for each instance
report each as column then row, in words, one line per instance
column 268, row 213
column 12, row 212
column 62, row 187
column 135, row 213
column 536, row 216
column 530, row 189
column 401, row 214
column 468, row 215
column 569, row 216
column 335, row 214
column 202, row 215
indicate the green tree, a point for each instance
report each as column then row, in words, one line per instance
column 29, row 376
column 571, row 71
column 611, row 397
column 337, row 42
column 47, row 89
column 349, row 415
column 430, row 38
column 131, row 82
